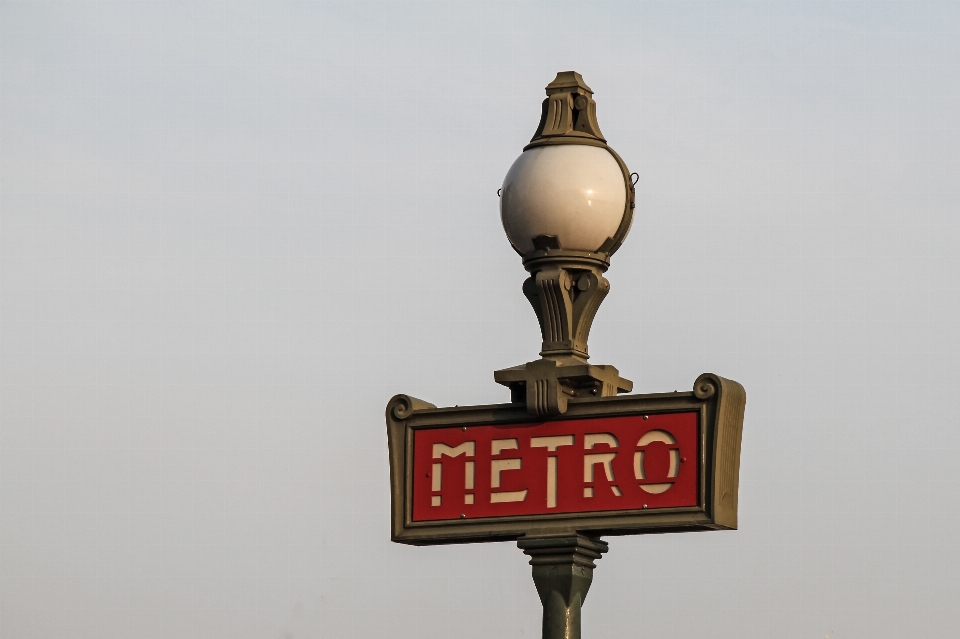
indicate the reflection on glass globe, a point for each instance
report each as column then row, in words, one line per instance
column 573, row 191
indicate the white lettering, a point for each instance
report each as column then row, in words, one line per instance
column 589, row 461
column 551, row 444
column 497, row 446
column 640, row 472
column 468, row 449
column 592, row 459
column 498, row 466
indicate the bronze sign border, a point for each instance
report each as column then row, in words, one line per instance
column 719, row 401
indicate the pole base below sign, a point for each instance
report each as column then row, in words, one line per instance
column 628, row 464
column 562, row 571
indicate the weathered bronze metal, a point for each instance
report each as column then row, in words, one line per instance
column 568, row 110
column 565, row 293
column 566, row 287
column 720, row 403
column 562, row 571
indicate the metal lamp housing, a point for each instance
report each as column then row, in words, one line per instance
column 566, row 205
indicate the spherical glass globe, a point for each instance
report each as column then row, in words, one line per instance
column 573, row 191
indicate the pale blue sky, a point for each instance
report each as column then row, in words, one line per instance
column 230, row 231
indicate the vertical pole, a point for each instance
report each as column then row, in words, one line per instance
column 562, row 571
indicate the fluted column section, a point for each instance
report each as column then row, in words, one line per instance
column 562, row 572
column 565, row 301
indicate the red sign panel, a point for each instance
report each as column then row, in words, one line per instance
column 566, row 466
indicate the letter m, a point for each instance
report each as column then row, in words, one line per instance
column 468, row 448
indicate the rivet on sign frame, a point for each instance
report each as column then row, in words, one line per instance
column 464, row 428
column 646, row 417
column 643, row 506
column 462, row 516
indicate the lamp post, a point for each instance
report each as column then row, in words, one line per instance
column 567, row 460
column 566, row 205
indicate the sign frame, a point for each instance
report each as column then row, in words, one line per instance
column 720, row 403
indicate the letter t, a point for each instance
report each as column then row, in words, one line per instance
column 551, row 444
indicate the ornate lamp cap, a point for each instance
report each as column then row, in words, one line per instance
column 568, row 110
column 568, row 81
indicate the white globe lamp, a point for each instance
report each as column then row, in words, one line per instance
column 573, row 192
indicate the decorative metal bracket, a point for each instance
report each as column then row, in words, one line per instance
column 565, row 289
column 562, row 571
column 566, row 301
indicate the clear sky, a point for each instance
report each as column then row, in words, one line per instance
column 231, row 231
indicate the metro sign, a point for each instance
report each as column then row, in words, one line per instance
column 570, row 466
column 615, row 465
